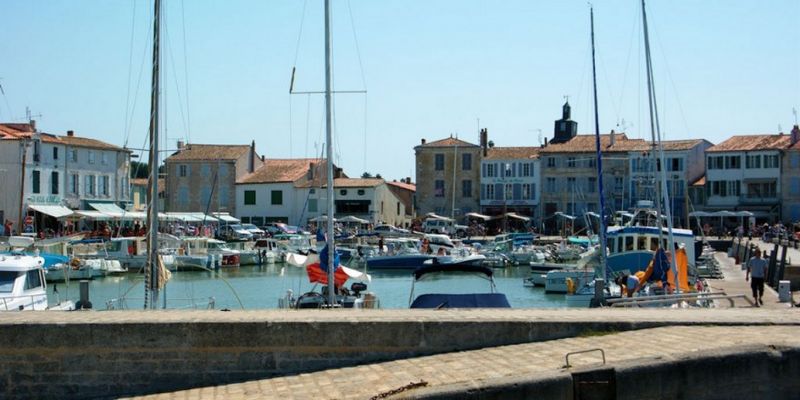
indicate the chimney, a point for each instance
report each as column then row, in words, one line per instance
column 263, row 159
column 180, row 144
column 545, row 142
column 310, row 171
column 337, row 173
column 252, row 158
column 613, row 136
column 795, row 134
column 484, row 139
column 408, row 180
column 70, row 133
column 423, row 141
column 33, row 125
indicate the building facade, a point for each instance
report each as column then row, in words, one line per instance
column 790, row 179
column 203, row 176
column 744, row 173
column 56, row 174
column 448, row 177
column 510, row 181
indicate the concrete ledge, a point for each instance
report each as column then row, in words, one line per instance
column 757, row 372
column 109, row 354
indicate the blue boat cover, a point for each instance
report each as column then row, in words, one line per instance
column 470, row 300
column 661, row 266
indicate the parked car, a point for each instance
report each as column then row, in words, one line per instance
column 444, row 226
column 234, row 232
column 256, row 231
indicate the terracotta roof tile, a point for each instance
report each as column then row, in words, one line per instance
column 402, row 185
column 356, row 182
column 677, row 145
column 88, row 142
column 752, row 143
column 586, row 144
column 448, row 142
column 275, row 170
column 200, row 152
column 509, row 153
column 19, row 131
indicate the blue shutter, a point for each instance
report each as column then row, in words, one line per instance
column 483, row 170
column 517, row 191
column 795, row 160
column 483, row 192
column 533, row 191
column 795, row 185
column 498, row 191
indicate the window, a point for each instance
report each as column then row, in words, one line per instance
column 466, row 162
column 771, row 161
column 466, row 188
column 526, row 191
column 509, row 192
column 551, row 162
column 343, row 192
column 55, row 153
column 276, row 197
column 490, row 170
column 33, row 279
column 361, row 192
column 439, row 162
column 104, row 185
column 89, row 189
column 36, row 147
column 551, row 185
column 124, row 187
column 753, row 161
column 91, row 157
column 249, row 197
column 570, row 162
column 676, row 164
column 592, row 184
column 35, row 180
column 571, row 183
column 54, row 182
column 245, row 220
column 205, row 170
column 489, row 191
column 74, row 155
column 438, row 188
column 182, row 170
column 74, row 184
column 398, row 208
column 508, row 170
column 526, row 169
column 104, row 158
column 312, row 205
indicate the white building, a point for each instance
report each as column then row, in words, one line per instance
column 744, row 173
column 511, row 181
column 57, row 174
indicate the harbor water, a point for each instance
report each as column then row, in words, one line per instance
column 260, row 287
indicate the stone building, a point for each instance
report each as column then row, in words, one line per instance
column 203, row 176
column 790, row 179
column 510, row 181
column 448, row 177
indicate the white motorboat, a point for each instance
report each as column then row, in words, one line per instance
column 22, row 280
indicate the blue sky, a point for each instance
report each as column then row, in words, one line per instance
column 431, row 69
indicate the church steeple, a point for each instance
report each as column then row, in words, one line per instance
column 565, row 128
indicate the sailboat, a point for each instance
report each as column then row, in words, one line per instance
column 642, row 240
column 325, row 268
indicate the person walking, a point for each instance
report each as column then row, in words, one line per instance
column 757, row 268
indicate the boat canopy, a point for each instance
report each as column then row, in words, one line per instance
column 517, row 216
column 422, row 271
column 351, row 218
column 431, row 215
column 55, row 211
column 567, row 216
column 225, row 217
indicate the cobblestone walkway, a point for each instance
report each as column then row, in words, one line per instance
column 475, row 367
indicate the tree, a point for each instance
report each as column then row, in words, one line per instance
column 139, row 170
column 366, row 175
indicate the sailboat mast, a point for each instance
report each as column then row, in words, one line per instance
column 329, row 151
column 151, row 284
column 599, row 157
column 656, row 136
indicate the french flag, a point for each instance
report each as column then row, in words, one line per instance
column 318, row 271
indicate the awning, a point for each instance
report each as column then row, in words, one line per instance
column 321, row 218
column 434, row 216
column 55, row 211
column 109, row 209
column 479, row 216
column 517, row 216
column 351, row 218
column 567, row 216
column 96, row 215
column 225, row 217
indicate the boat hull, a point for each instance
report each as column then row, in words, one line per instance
column 412, row 261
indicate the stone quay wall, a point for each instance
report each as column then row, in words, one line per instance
column 110, row 354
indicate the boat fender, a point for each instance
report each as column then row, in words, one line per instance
column 570, row 286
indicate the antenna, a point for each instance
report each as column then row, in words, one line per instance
column 566, row 97
column 28, row 116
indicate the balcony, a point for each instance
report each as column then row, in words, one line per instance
column 760, row 199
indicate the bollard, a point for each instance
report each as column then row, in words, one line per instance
column 599, row 291
column 773, row 258
column 84, row 303
column 784, row 291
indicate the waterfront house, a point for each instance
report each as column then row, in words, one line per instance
column 56, row 174
column 447, row 176
column 790, row 179
column 744, row 173
column 203, row 176
column 684, row 165
column 510, row 181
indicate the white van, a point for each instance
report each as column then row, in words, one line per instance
column 443, row 226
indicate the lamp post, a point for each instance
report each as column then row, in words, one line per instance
column 506, row 173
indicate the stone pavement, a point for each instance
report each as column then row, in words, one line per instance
column 477, row 368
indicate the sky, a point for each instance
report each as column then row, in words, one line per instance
column 430, row 68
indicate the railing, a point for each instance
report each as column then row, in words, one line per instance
column 186, row 303
column 673, row 298
column 22, row 306
column 755, row 198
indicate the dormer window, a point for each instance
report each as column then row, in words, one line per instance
column 343, row 192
